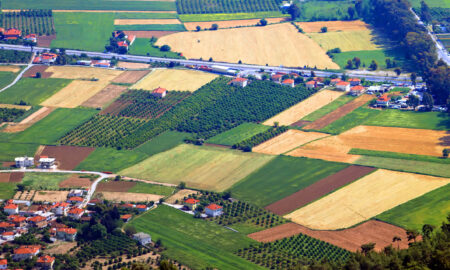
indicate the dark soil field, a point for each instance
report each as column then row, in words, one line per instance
column 112, row 186
column 45, row 41
column 351, row 239
column 115, row 107
column 31, row 73
column 75, row 181
column 107, row 94
column 149, row 34
column 14, row 177
column 130, row 76
column 300, row 123
column 67, row 157
column 318, row 189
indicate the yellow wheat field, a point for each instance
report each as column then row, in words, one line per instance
column 279, row 44
column 69, row 72
column 305, row 107
column 346, row 41
column 175, row 79
column 13, row 69
column 333, row 26
column 364, row 199
column 286, row 141
column 145, row 21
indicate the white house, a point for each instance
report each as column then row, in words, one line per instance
column 46, row 163
column 214, row 210
column 23, row 162
column 25, row 252
column 143, row 238
column 383, row 101
column 343, row 86
column 311, row 84
column 45, row 262
column 11, row 209
column 242, row 82
column 288, row 82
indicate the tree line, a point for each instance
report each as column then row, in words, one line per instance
column 247, row 144
column 225, row 6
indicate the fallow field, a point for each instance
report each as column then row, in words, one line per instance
column 105, row 96
column 67, row 157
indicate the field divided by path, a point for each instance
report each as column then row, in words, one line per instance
column 105, row 96
column 67, row 157
column 318, row 189
column 209, row 17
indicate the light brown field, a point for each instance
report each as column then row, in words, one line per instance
column 12, row 106
column 346, row 41
column 364, row 199
column 303, row 108
column 51, row 196
column 145, row 21
column 29, row 121
column 105, row 96
column 60, row 247
column 286, row 141
column 131, row 76
column 149, row 34
column 254, row 45
column 125, row 196
column 71, row 72
column 13, row 69
column 231, row 23
column 180, row 195
column 175, row 79
column 333, row 26
column 391, row 139
column 131, row 65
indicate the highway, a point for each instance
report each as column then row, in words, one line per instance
column 242, row 67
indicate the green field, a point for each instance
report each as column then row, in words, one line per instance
column 431, row 208
column 195, row 243
column 8, row 150
column 367, row 56
column 238, row 134
column 324, row 10
column 344, row 99
column 431, row 3
column 230, row 16
column 47, row 181
column 110, row 159
column 142, row 46
column 83, row 31
column 32, row 91
column 6, row 78
column 403, row 90
column 211, row 168
column 7, row 190
column 372, row 153
column 282, row 177
column 410, row 119
column 351, row 120
column 54, row 126
column 162, row 142
column 134, row 15
column 89, row 5
column 142, row 187
column 430, row 168
column 151, row 27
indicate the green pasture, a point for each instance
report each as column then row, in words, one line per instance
column 324, row 10
column 282, row 177
column 342, row 100
column 163, row 142
column 366, row 57
column 151, row 27
column 111, row 159
column 196, row 243
column 238, row 134
column 351, row 120
column 6, row 78
column 32, row 91
column 7, row 190
column 143, row 46
column 142, row 187
column 230, row 16
column 9, row 150
column 47, row 181
column 410, row 119
column 431, row 3
column 373, row 153
column 134, row 15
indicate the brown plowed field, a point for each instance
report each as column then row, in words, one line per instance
column 16, row 177
column 300, row 123
column 34, row 69
column 8, row 164
column 75, row 181
column 115, row 186
column 351, row 239
column 132, row 65
column 45, row 41
column 29, row 121
column 318, row 189
column 130, row 197
column 145, row 21
column 130, row 76
column 105, row 96
column 231, row 23
column 115, row 108
column 67, row 157
column 4, row 177
column 339, row 112
column 149, row 34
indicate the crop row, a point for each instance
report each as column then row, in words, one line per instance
column 225, row 6
column 108, row 245
column 249, row 143
column 38, row 22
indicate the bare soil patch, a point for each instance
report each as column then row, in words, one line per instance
column 4, row 177
column 231, row 23
column 318, row 189
column 149, row 34
column 131, row 76
column 60, row 247
column 131, row 65
column 130, row 197
column 51, row 196
column 45, row 41
column 339, row 112
column 105, row 96
column 67, row 157
column 333, row 26
column 8, row 164
column 300, row 123
column 145, row 21
column 115, row 107
column 31, row 73
column 16, row 177
column 76, row 181
column 29, row 121
column 7, row 68
column 378, row 232
column 115, row 186
column 180, row 195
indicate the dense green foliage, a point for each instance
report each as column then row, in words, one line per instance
column 10, row 114
column 238, row 134
column 351, row 120
column 145, row 46
column 39, row 22
column 112, row 243
column 249, row 143
column 282, row 177
column 7, row 190
column 229, row 16
column 373, row 153
column 325, row 10
column 225, row 6
column 163, row 142
column 150, row 27
column 290, row 252
column 366, row 58
column 410, row 119
column 10, row 56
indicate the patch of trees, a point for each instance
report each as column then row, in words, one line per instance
column 117, row 36
column 10, row 56
column 10, row 114
column 226, row 6
column 248, row 144
column 33, row 21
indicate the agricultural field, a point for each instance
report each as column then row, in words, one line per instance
column 6, row 77
column 13, row 69
column 252, row 46
column 431, row 208
column 230, row 16
column 335, row 104
column 324, row 10
column 304, row 108
column 50, row 196
column 364, row 199
column 78, row 181
column 35, row 115
column 7, row 190
column 110, row 159
column 230, row 24
column 175, row 79
column 142, row 21
column 142, row 187
column 282, row 177
column 196, row 243
column 333, row 26
column 204, row 167
column 150, row 27
column 366, row 57
column 11, row 177
column 144, row 15
column 32, row 91
column 128, row 197
column 388, row 154
column 163, row 142
column 131, row 76
column 143, row 44
column 44, row 181
column 346, row 41
column 287, row 141
column 10, row 150
column 148, row 34
column 227, row 6
column 237, row 134
column 410, row 119
column 105, row 96
column 67, row 157
column 39, row 22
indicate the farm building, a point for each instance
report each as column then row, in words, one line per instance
column 143, row 238
column 159, row 92
column 3, row 264
column 288, row 82
column 354, row 81
column 214, row 210
column 84, row 62
column 343, row 86
column 12, row 33
column 311, row 84
column 333, row 82
column 102, row 63
column 383, row 101
column 23, row 162
column 45, row 262
column 45, row 58
column 25, row 252
column 357, row 90
column 126, row 218
column 31, row 37
column 66, row 234
column 241, row 82
column 191, row 203
column 123, row 44
column 46, row 163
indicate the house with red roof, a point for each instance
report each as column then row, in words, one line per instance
column 214, row 210
column 276, row 78
column 75, row 199
column 159, row 92
column 47, row 58
column 75, row 213
column 61, row 208
column 101, row 63
column 126, row 218
column 25, row 252
column 3, row 264
column 343, row 86
column 17, row 220
column 45, row 262
column 333, row 82
column 66, row 234
column 12, row 33
column 11, row 209
column 131, row 39
column 141, row 207
column 288, row 82
column 311, row 84
column 8, row 236
column 38, row 221
column 357, row 90
column 383, row 100
column 123, row 44
column 240, row 82
column 6, row 226
column 31, row 37
column 354, row 81
column 191, row 203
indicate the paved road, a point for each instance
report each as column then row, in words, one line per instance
column 20, row 74
column 244, row 67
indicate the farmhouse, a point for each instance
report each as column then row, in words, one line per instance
column 143, row 238
column 123, row 44
column 11, row 209
column 383, row 101
column 75, row 213
column 288, row 82
column 311, row 84
column 214, row 210
column 75, row 199
column 354, row 81
column 47, row 58
column 343, row 86
column 3, row 264
column 23, row 162
column 241, row 82
column 141, row 207
column 333, row 82
column 31, row 37
column 191, row 203
column 25, row 252
column 357, row 90
column 159, row 92
column 38, row 222
column 101, row 63
column 61, row 208
column 66, row 234
column 12, row 33
column 277, row 77
column 125, row 218
column 45, row 262
column 46, row 163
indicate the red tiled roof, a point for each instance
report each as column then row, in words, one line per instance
column 311, row 82
column 12, row 32
column 46, row 259
column 357, row 88
column 354, row 80
column 37, row 59
column 8, row 233
column 239, row 80
column 214, row 206
column 277, row 76
column 76, row 199
column 61, row 204
column 6, row 224
column 128, row 205
column 141, row 206
column 122, row 44
column 384, row 98
column 76, row 211
column 191, row 201
column 11, row 206
column 36, row 219
column 288, row 81
column 27, row 250
column 31, row 36
column 16, row 218
column 159, row 90
column 67, row 230
column 336, row 80
column 3, row 262
column 343, row 83
column 125, row 216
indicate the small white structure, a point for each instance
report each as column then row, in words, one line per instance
column 84, row 62
column 214, row 210
column 11, row 209
column 142, row 238
column 46, row 162
column 159, row 92
column 76, row 193
column 241, row 82
column 343, row 86
column 24, row 162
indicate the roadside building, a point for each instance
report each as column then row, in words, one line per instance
column 357, row 90
column 122, row 44
column 142, row 238
column 141, row 207
column 333, row 82
column 46, row 163
column 126, row 218
column 191, row 203
column 23, row 162
column 159, row 92
column 45, row 262
column 354, row 81
column 240, row 82
column 48, row 58
column 383, row 101
column 75, row 200
column 84, row 62
column 31, row 37
column 25, row 252
column 214, row 210
column 276, row 78
column 75, row 213
column 101, row 63
column 8, row 236
column 343, row 86
column 288, row 82
column 311, row 84
column 66, row 234
column 12, row 33
column 11, row 209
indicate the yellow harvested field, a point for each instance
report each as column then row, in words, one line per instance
column 346, row 41
column 12, row 106
column 303, row 108
column 126, row 196
column 286, row 141
column 333, row 26
column 231, row 23
column 145, row 21
column 13, row 69
column 180, row 195
column 70, row 72
column 175, row 79
column 50, row 196
column 252, row 45
column 364, row 199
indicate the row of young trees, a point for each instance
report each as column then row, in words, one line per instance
column 10, row 56
column 38, row 22
column 247, row 144
column 225, row 6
